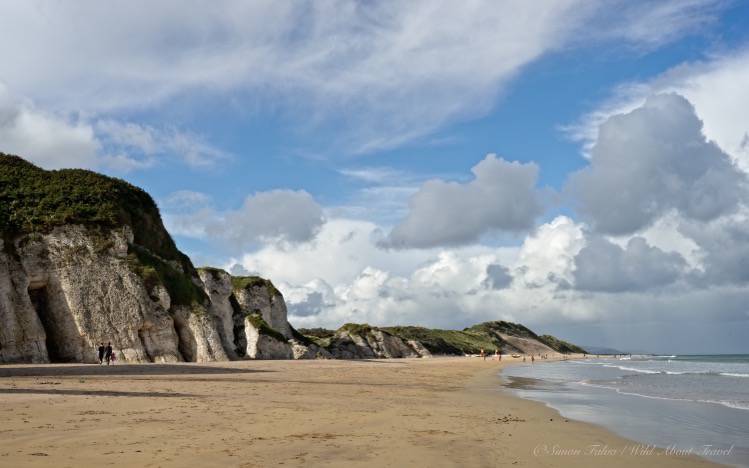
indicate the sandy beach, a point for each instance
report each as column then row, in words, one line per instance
column 410, row 412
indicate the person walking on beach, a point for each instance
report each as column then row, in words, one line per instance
column 482, row 354
column 108, row 353
column 532, row 359
column 101, row 353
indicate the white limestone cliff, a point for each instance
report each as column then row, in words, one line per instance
column 64, row 292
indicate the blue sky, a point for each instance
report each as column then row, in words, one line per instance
column 344, row 150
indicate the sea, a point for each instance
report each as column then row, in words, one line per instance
column 683, row 403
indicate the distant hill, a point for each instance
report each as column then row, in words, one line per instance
column 507, row 337
column 603, row 350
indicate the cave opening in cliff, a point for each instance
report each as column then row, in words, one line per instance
column 39, row 299
column 240, row 338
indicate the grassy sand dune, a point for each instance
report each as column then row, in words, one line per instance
column 420, row 412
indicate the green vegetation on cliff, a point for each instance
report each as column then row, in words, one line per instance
column 500, row 326
column 560, row 345
column 262, row 326
column 249, row 282
column 35, row 201
column 154, row 270
column 448, row 341
column 216, row 273
column 356, row 328
column 437, row 341
column 320, row 336
column 300, row 337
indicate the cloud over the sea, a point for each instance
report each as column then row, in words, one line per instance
column 650, row 161
column 604, row 266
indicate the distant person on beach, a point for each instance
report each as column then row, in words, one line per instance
column 101, row 353
column 108, row 353
column 523, row 357
column 497, row 355
column 532, row 359
column 483, row 354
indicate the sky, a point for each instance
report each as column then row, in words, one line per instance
column 579, row 167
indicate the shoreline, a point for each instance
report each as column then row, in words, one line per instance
column 406, row 412
column 587, row 443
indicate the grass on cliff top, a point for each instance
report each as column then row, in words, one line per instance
column 356, row 328
column 216, row 273
column 35, row 200
column 249, row 282
column 320, row 336
column 508, row 328
column 560, row 345
column 317, row 332
column 256, row 319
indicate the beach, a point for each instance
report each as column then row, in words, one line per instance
column 398, row 412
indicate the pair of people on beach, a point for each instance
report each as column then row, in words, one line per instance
column 106, row 353
column 497, row 354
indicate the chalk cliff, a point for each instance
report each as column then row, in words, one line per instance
column 85, row 259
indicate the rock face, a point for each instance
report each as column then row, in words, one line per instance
column 217, row 285
column 63, row 292
column 262, row 343
column 250, row 314
column 85, row 259
column 354, row 341
column 365, row 342
column 256, row 295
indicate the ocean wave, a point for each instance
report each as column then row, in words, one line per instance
column 669, row 372
column 730, row 404
column 632, row 369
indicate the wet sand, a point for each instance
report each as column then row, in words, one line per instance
column 410, row 412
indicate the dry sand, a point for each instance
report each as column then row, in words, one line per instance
column 410, row 412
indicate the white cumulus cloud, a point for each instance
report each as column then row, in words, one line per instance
column 501, row 197
column 651, row 161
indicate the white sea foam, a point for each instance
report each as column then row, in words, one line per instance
column 730, row 404
column 632, row 369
